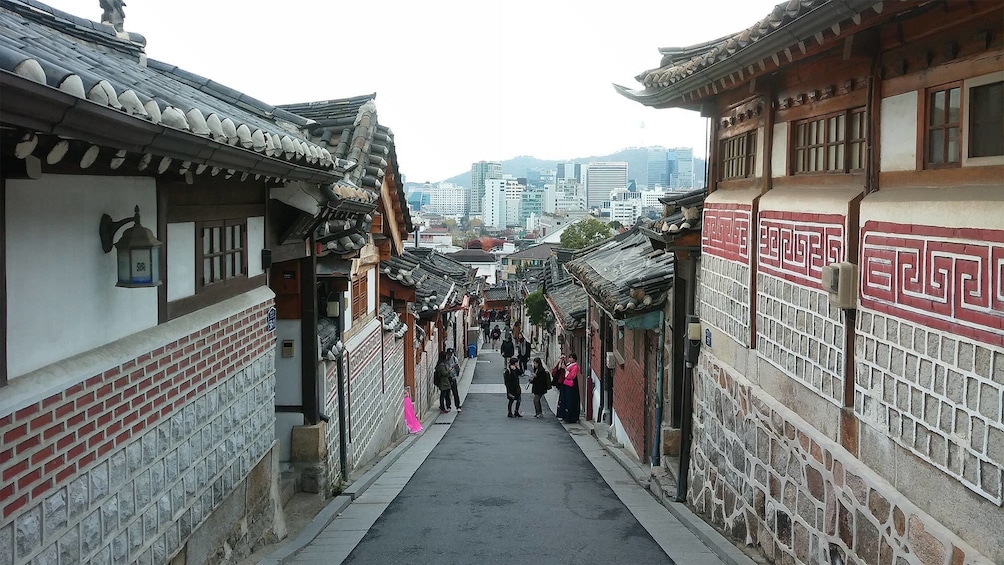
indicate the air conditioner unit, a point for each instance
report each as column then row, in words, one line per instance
column 840, row 281
column 611, row 360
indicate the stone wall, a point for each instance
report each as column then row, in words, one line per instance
column 130, row 462
column 764, row 476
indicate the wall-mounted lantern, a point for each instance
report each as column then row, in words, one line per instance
column 138, row 252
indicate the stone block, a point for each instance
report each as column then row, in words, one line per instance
column 7, row 544
column 990, row 402
column 866, row 539
column 307, row 443
column 69, row 546
column 927, row 549
column 671, row 441
column 28, row 532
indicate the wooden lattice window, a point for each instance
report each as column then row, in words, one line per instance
column 738, row 156
column 222, row 252
column 360, row 299
column 944, row 122
column 832, row 144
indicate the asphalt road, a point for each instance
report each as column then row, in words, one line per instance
column 505, row 490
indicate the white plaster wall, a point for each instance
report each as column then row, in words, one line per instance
column 779, row 151
column 256, row 242
column 899, row 132
column 798, row 199
column 288, row 380
column 371, row 291
column 61, row 293
column 180, row 277
column 760, row 144
column 981, row 207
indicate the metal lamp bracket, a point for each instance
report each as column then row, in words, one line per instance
column 109, row 228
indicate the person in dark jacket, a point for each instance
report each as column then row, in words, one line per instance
column 523, row 352
column 540, row 382
column 508, row 348
column 496, row 334
column 512, row 393
column 443, row 378
column 454, row 366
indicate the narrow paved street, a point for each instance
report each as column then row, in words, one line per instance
column 478, row 487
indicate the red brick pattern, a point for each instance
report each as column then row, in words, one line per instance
column 47, row 443
column 631, row 397
column 796, row 246
column 951, row 279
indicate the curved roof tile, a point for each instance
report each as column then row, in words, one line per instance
column 87, row 59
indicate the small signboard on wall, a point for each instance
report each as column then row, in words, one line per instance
column 270, row 319
column 707, row 337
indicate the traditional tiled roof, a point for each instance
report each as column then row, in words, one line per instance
column 167, row 118
column 433, row 292
column 568, row 302
column 348, row 128
column 685, row 216
column 497, row 294
column 391, row 321
column 625, row 274
column 688, row 73
column 447, row 265
column 539, row 251
column 473, row 256
column 401, row 268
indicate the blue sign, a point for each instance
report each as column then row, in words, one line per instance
column 270, row 319
column 707, row 337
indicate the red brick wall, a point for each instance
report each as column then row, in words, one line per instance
column 630, row 396
column 48, row 442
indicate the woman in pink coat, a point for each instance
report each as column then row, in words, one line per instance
column 569, row 402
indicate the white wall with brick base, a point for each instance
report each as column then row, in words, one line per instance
column 148, row 437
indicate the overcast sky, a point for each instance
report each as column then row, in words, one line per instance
column 458, row 81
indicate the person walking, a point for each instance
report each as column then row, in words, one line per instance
column 540, row 382
column 442, row 373
column 523, row 352
column 512, row 392
column 570, row 392
column 454, row 366
column 558, row 382
column 496, row 334
column 508, row 349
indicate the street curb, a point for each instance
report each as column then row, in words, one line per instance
column 337, row 505
column 712, row 538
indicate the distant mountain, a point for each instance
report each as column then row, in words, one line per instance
column 636, row 158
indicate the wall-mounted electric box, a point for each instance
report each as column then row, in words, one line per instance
column 840, row 280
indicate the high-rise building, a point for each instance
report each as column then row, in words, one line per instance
column 500, row 206
column 681, row 168
column 658, row 167
column 601, row 179
column 446, row 198
column 531, row 203
column 480, row 172
column 569, row 171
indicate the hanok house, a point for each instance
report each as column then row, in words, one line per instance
column 567, row 302
column 137, row 403
column 341, row 365
column 628, row 283
column 848, row 392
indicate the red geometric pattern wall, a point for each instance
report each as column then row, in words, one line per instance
column 725, row 231
column 48, row 442
column 946, row 278
column 795, row 246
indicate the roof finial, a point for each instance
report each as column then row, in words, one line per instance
column 113, row 14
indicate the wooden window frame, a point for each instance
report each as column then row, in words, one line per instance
column 968, row 118
column 359, row 290
column 843, row 144
column 925, row 140
column 227, row 254
column 743, row 163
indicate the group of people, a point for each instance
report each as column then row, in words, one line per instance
column 564, row 377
